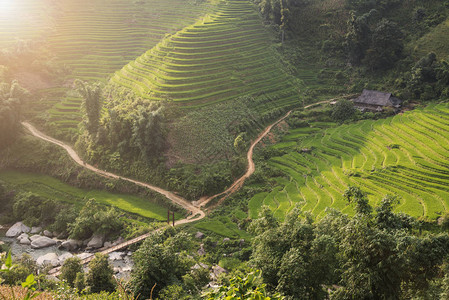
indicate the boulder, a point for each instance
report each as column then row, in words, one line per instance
column 199, row 235
column 42, row 242
column 117, row 270
column 96, row 241
column 35, row 230
column 48, row 234
column 25, row 241
column 116, row 255
column 226, row 240
column 107, row 244
column 63, row 257
column 200, row 266
column 241, row 242
column 35, row 237
column 25, row 228
column 15, row 230
column 71, row 245
column 216, row 271
column 201, row 251
column 23, row 235
column 127, row 269
column 48, row 259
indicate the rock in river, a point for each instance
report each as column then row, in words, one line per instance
column 42, row 242
column 48, row 259
column 96, row 241
column 17, row 229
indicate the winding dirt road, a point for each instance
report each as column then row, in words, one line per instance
column 249, row 171
column 196, row 213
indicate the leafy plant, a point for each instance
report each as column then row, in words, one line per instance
column 28, row 284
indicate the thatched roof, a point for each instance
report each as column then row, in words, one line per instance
column 377, row 98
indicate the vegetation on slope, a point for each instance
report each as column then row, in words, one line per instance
column 402, row 155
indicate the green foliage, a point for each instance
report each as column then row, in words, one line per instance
column 292, row 257
column 12, row 274
column 99, row 278
column 369, row 256
column 11, row 98
column 35, row 210
column 158, row 263
column 249, row 287
column 94, row 218
column 92, row 102
column 386, row 46
column 343, row 110
column 70, row 270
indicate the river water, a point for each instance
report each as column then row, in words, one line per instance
column 18, row 249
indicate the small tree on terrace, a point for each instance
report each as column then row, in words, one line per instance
column 343, row 110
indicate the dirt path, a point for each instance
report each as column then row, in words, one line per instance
column 249, row 171
column 196, row 213
column 195, row 208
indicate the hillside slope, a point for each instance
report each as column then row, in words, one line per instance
column 225, row 55
column 403, row 155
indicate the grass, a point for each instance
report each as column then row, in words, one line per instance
column 55, row 189
column 403, row 155
column 222, row 226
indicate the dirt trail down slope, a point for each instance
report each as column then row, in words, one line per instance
column 249, row 171
column 196, row 213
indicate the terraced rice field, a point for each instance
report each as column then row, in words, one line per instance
column 94, row 38
column 223, row 56
column 407, row 155
column 98, row 37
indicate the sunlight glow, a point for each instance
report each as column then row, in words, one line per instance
column 7, row 7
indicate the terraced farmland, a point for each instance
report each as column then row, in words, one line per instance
column 93, row 38
column 99, row 37
column 225, row 55
column 407, row 155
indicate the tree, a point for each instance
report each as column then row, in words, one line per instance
column 156, row 263
column 94, row 218
column 99, row 278
column 11, row 98
column 292, row 258
column 148, row 131
column 343, row 110
column 70, row 269
column 91, row 105
column 386, row 46
column 249, row 287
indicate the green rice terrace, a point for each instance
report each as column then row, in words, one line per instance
column 94, row 39
column 406, row 155
column 224, row 55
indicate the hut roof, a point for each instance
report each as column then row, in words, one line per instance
column 377, row 98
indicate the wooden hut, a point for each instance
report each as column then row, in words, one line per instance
column 376, row 101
